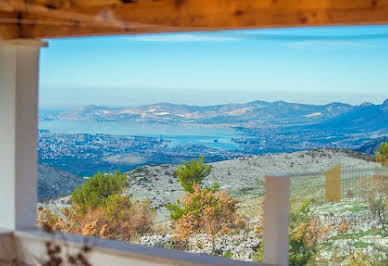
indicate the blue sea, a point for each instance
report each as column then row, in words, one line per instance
column 215, row 137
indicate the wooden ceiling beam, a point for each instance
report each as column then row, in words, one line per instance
column 9, row 29
column 66, row 18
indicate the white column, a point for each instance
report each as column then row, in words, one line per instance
column 276, row 212
column 19, row 73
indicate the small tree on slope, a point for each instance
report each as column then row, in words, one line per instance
column 202, row 210
column 192, row 173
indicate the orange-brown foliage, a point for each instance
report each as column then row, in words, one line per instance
column 344, row 226
column 116, row 221
column 213, row 213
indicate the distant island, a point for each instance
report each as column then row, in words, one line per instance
column 251, row 114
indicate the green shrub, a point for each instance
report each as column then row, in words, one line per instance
column 305, row 232
column 383, row 261
column 382, row 154
column 116, row 206
column 258, row 255
column 300, row 252
column 193, row 173
column 378, row 209
column 96, row 190
column 228, row 254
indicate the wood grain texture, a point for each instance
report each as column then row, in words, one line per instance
column 9, row 29
column 60, row 18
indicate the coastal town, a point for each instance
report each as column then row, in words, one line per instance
column 84, row 154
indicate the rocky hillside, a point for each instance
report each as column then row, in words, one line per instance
column 348, row 226
column 244, row 177
column 352, row 229
column 53, row 182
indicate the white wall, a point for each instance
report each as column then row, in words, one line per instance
column 19, row 62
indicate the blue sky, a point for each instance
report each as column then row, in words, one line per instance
column 307, row 65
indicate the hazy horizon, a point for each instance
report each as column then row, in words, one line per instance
column 303, row 65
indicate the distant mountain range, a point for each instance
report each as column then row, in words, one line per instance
column 254, row 113
column 263, row 127
column 366, row 117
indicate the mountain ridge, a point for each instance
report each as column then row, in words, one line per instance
column 368, row 117
column 372, row 146
column 262, row 112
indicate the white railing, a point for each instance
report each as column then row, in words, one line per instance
column 29, row 248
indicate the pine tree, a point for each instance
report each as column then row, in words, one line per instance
column 190, row 174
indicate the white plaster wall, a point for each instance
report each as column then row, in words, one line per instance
column 19, row 73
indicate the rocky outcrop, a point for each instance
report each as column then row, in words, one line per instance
column 240, row 246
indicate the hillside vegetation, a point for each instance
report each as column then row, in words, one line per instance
column 217, row 209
